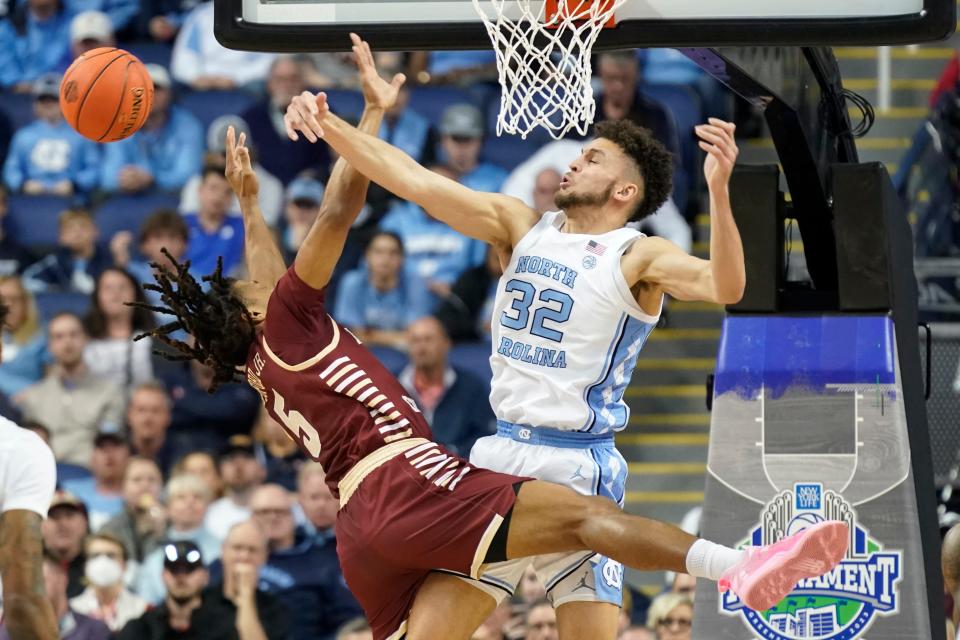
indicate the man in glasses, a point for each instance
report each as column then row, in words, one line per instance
column 191, row 610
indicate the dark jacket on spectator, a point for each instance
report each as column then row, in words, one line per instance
column 463, row 413
column 460, row 312
column 14, row 257
column 215, row 619
column 307, row 579
column 278, row 154
column 55, row 272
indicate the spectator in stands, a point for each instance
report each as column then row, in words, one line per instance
column 300, row 570
column 202, row 420
column 73, row 624
column 531, row 589
column 65, row 470
column 72, row 402
column 24, row 343
column 187, row 500
column 437, row 253
column 379, row 300
column 102, row 492
column 14, row 257
column 620, row 97
column 203, row 465
column 636, row 633
column 120, row 12
column 160, row 20
column 453, row 67
column 671, row 616
column 684, row 584
column 242, row 473
column 356, row 629
column 545, row 187
column 106, row 598
column 303, row 199
column 466, row 312
column 77, row 261
column 213, row 233
column 203, row 63
column 316, row 501
column 280, row 156
column 406, row 129
column 453, row 401
column 47, row 156
column 143, row 521
column 148, row 421
column 541, row 621
column 162, row 229
column 64, row 531
column 163, row 154
column 271, row 189
column 90, row 30
column 34, row 40
column 276, row 451
column 112, row 324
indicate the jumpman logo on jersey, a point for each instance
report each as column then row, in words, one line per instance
column 577, row 475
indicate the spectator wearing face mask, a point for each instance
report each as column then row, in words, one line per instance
column 106, row 598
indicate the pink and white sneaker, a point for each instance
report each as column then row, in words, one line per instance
column 767, row 574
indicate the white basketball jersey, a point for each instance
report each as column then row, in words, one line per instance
column 566, row 330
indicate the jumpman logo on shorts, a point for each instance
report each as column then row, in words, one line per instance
column 577, row 475
column 583, row 584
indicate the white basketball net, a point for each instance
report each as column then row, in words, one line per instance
column 544, row 62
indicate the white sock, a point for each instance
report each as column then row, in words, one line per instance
column 707, row 559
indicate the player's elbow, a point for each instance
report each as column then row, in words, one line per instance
column 730, row 294
column 26, row 615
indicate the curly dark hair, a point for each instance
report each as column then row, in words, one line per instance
column 220, row 323
column 653, row 161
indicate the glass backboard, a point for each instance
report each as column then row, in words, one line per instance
column 323, row 25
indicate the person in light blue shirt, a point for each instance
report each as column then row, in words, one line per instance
column 34, row 40
column 120, row 12
column 379, row 300
column 164, row 154
column 24, row 340
column 435, row 252
column 212, row 231
column 102, row 492
column 47, row 156
column 406, row 129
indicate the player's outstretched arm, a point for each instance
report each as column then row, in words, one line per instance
column 346, row 190
column 262, row 255
column 722, row 278
column 491, row 217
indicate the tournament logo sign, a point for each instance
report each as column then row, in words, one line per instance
column 840, row 605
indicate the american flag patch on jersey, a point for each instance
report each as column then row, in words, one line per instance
column 595, row 247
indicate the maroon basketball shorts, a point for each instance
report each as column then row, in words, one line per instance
column 423, row 509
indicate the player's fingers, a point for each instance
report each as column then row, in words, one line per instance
column 727, row 126
column 242, row 143
column 368, row 54
column 398, row 80
column 230, row 147
column 307, row 124
column 245, row 163
column 288, row 125
column 297, row 122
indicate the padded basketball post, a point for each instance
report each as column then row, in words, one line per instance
column 821, row 415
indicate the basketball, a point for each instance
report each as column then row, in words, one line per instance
column 106, row 94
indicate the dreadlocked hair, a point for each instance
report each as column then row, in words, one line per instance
column 221, row 325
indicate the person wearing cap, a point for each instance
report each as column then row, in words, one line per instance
column 242, row 473
column 278, row 154
column 90, row 30
column 163, row 154
column 102, row 493
column 187, row 500
column 270, row 186
column 380, row 299
column 34, row 40
column 64, row 530
column 437, row 253
column 303, row 199
column 47, row 156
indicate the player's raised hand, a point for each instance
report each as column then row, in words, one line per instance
column 305, row 113
column 239, row 171
column 377, row 92
column 716, row 138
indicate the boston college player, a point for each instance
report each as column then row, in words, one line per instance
column 413, row 516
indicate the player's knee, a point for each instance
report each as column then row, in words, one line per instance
column 592, row 518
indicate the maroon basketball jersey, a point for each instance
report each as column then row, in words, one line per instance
column 318, row 381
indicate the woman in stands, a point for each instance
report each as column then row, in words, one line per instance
column 24, row 342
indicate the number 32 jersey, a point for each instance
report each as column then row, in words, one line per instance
column 566, row 330
column 324, row 387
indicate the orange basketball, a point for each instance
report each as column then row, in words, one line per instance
column 106, row 94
